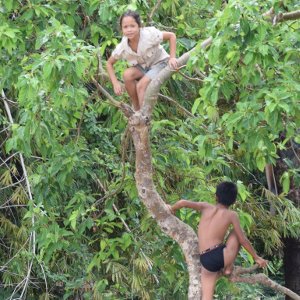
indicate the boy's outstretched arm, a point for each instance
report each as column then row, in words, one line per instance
column 245, row 242
column 188, row 204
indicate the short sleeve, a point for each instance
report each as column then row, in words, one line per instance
column 154, row 35
column 117, row 53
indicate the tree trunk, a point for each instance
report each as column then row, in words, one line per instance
column 172, row 226
column 292, row 265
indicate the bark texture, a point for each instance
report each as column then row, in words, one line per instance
column 172, row 226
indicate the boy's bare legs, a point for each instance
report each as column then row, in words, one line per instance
column 141, row 87
column 130, row 76
column 230, row 252
column 208, row 282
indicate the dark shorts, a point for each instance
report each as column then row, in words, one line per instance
column 213, row 260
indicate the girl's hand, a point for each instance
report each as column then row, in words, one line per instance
column 118, row 89
column 173, row 63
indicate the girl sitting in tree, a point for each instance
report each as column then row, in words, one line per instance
column 140, row 47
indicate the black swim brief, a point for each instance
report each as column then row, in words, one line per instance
column 213, row 259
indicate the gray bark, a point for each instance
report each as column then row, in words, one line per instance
column 169, row 224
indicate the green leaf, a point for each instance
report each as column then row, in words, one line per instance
column 248, row 58
column 195, row 105
column 260, row 162
column 285, row 181
column 73, row 219
column 47, row 69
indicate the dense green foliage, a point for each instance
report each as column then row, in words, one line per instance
column 80, row 159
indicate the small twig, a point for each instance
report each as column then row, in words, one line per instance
column 6, row 128
column 176, row 104
column 191, row 78
column 156, row 6
column 129, row 230
column 14, row 205
column 45, row 279
column 2, row 268
column 117, row 190
column 4, row 161
column 200, row 74
column 243, row 167
column 100, row 70
column 296, row 155
column 13, row 184
column 127, row 110
column 81, row 120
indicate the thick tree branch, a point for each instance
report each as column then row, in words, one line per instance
column 281, row 17
column 154, row 86
column 172, row 226
column 261, row 279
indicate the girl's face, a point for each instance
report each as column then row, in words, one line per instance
column 130, row 28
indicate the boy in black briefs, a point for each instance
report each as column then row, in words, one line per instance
column 213, row 226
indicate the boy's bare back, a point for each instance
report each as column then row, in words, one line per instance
column 213, row 225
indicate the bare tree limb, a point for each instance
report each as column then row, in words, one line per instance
column 127, row 110
column 154, row 86
column 294, row 15
column 261, row 279
column 281, row 17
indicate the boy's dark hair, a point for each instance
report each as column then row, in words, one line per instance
column 226, row 193
column 133, row 14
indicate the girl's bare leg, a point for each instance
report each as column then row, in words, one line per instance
column 130, row 76
column 230, row 252
column 141, row 87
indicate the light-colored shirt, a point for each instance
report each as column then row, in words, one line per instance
column 149, row 51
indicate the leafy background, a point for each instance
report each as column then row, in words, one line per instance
column 93, row 237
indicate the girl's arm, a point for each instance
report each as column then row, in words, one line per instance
column 111, row 73
column 171, row 37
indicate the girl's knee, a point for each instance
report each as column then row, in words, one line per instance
column 128, row 75
column 142, row 84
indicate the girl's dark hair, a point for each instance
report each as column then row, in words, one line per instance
column 133, row 14
column 226, row 193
